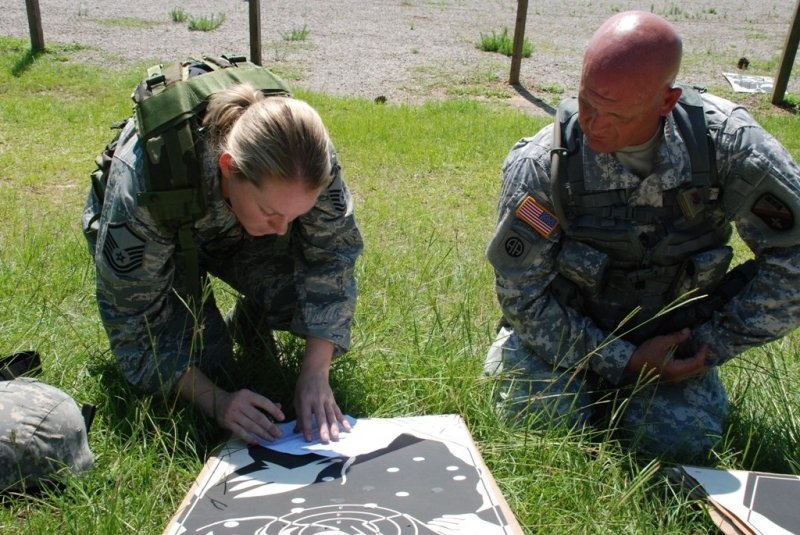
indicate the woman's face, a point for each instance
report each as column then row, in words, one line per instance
column 268, row 208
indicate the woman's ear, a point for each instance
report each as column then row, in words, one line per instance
column 226, row 164
column 226, row 169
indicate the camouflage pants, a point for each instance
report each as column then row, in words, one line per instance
column 261, row 270
column 676, row 420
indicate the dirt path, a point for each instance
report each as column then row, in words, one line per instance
column 411, row 50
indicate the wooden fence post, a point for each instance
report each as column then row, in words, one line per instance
column 255, row 31
column 519, row 39
column 35, row 25
column 789, row 53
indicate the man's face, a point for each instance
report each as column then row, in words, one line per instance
column 618, row 111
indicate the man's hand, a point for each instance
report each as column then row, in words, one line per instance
column 656, row 357
column 313, row 397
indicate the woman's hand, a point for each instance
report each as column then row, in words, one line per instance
column 313, row 397
column 249, row 416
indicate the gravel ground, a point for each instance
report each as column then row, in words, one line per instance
column 411, row 50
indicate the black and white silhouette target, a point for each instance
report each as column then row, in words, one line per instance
column 415, row 485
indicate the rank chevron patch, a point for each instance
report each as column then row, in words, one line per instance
column 123, row 249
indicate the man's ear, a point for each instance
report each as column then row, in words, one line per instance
column 671, row 97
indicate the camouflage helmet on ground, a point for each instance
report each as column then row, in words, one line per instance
column 42, row 433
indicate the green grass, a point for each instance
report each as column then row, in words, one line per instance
column 178, row 14
column 129, row 22
column 425, row 180
column 479, row 82
column 296, row 34
column 206, row 24
column 503, row 44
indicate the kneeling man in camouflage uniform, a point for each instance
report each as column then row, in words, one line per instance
column 626, row 205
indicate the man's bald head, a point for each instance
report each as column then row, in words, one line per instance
column 626, row 87
column 635, row 44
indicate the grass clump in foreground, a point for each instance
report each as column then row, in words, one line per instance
column 426, row 181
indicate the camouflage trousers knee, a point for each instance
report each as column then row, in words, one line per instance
column 251, row 325
column 661, row 419
column 261, row 270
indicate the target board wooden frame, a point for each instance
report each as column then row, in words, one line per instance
column 421, row 475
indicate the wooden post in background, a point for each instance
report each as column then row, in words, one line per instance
column 519, row 39
column 255, row 31
column 35, row 25
column 789, row 53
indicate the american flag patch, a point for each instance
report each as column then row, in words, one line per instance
column 537, row 216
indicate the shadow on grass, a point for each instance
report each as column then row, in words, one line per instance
column 134, row 416
column 275, row 376
column 24, row 62
column 789, row 107
column 533, row 99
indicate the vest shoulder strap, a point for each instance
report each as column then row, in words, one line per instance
column 690, row 118
column 564, row 158
column 170, row 96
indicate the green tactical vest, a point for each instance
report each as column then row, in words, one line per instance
column 645, row 270
column 168, row 109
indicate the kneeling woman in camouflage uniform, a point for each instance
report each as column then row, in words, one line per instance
column 278, row 228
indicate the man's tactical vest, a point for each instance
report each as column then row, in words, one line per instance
column 168, row 109
column 607, row 269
